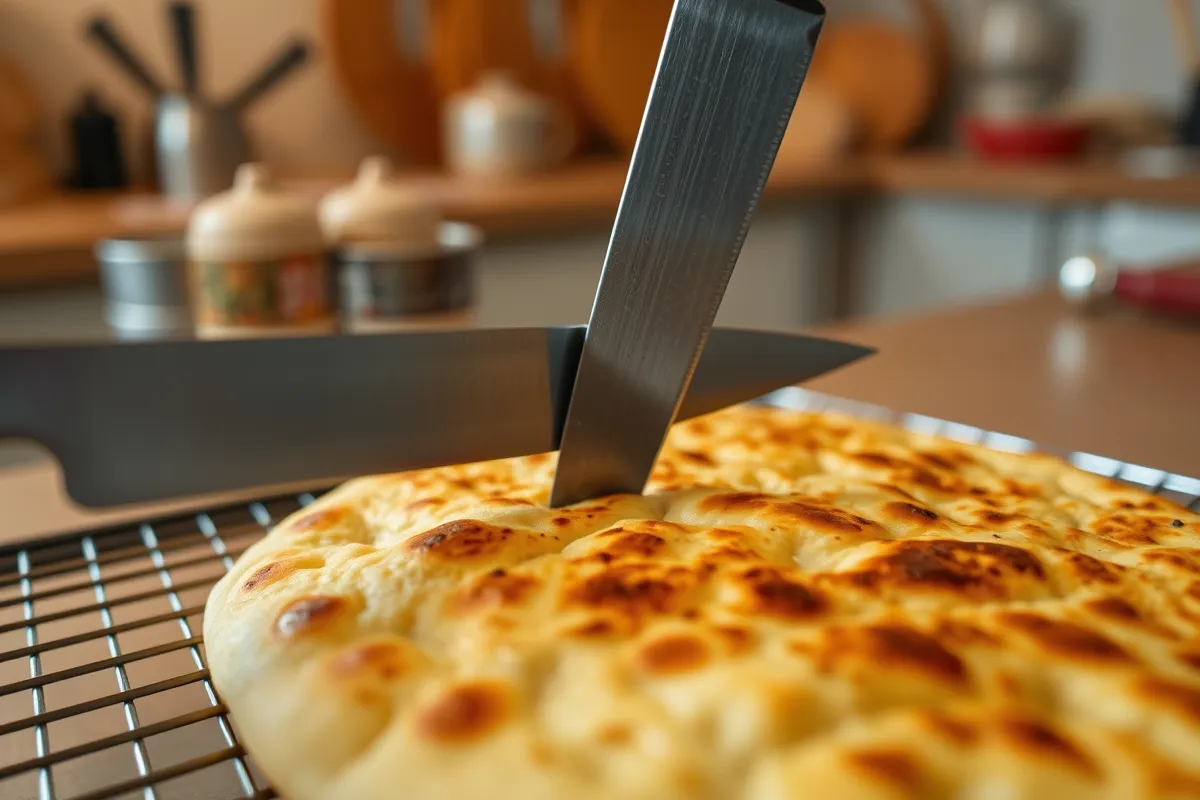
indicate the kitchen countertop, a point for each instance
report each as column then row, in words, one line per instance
column 1115, row 384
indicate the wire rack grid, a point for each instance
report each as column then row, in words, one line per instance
column 104, row 689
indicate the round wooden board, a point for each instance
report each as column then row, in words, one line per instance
column 473, row 37
column 20, row 111
column 890, row 76
column 391, row 91
column 615, row 47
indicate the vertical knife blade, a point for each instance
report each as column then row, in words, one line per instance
column 727, row 79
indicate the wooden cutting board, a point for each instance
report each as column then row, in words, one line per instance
column 889, row 74
column 615, row 47
column 388, row 85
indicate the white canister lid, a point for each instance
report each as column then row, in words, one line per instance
column 253, row 221
column 378, row 208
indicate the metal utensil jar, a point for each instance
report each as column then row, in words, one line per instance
column 145, row 286
column 385, row 287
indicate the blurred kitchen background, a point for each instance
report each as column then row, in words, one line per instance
column 942, row 150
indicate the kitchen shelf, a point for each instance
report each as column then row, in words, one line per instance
column 586, row 194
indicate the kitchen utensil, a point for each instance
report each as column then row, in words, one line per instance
column 392, row 287
column 258, row 262
column 1092, row 281
column 1016, row 63
column 499, row 129
column 102, row 31
column 145, row 286
column 379, row 209
column 98, row 162
column 615, row 46
column 284, row 63
column 726, row 83
column 139, row 421
column 889, row 74
column 1025, row 139
column 199, row 143
column 377, row 50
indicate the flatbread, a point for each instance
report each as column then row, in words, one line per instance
column 802, row 605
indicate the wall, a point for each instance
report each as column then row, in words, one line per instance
column 915, row 252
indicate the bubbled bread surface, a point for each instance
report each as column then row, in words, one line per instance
column 801, row 605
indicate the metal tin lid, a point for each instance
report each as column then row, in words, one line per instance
column 152, row 249
column 378, row 208
column 253, row 221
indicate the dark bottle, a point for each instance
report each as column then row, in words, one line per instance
column 96, row 146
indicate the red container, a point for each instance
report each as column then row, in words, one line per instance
column 1025, row 139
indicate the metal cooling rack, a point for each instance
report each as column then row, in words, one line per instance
column 104, row 688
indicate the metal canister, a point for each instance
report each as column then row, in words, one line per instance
column 145, row 286
column 387, row 287
column 399, row 265
column 258, row 264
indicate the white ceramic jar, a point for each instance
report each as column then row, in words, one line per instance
column 257, row 262
column 497, row 128
column 377, row 207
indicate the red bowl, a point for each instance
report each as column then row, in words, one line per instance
column 1024, row 140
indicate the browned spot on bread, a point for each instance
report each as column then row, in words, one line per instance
column 310, row 614
column 643, row 545
column 891, row 765
column 508, row 501
column 497, row 588
column 560, row 522
column 1035, row 737
column 950, row 727
column 821, row 518
column 995, row 518
column 737, row 639
column 673, row 654
column 879, row 460
column 635, row 589
column 269, row 573
column 697, row 458
column 909, row 512
column 326, row 518
column 1183, row 559
column 1115, row 608
column 614, row 734
column 1184, row 700
column 465, row 713
column 975, row 569
column 380, row 659
column 1093, row 570
column 734, row 502
column 946, row 462
column 1065, row 638
column 461, row 539
column 775, row 594
column 896, row 645
column 594, row 629
column 954, row 631
column 1189, row 657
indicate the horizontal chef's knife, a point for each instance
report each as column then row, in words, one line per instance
column 138, row 421
column 727, row 79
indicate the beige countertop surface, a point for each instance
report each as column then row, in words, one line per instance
column 1116, row 384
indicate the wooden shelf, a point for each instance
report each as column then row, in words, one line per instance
column 587, row 194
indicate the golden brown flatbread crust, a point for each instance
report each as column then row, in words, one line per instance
column 802, row 605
